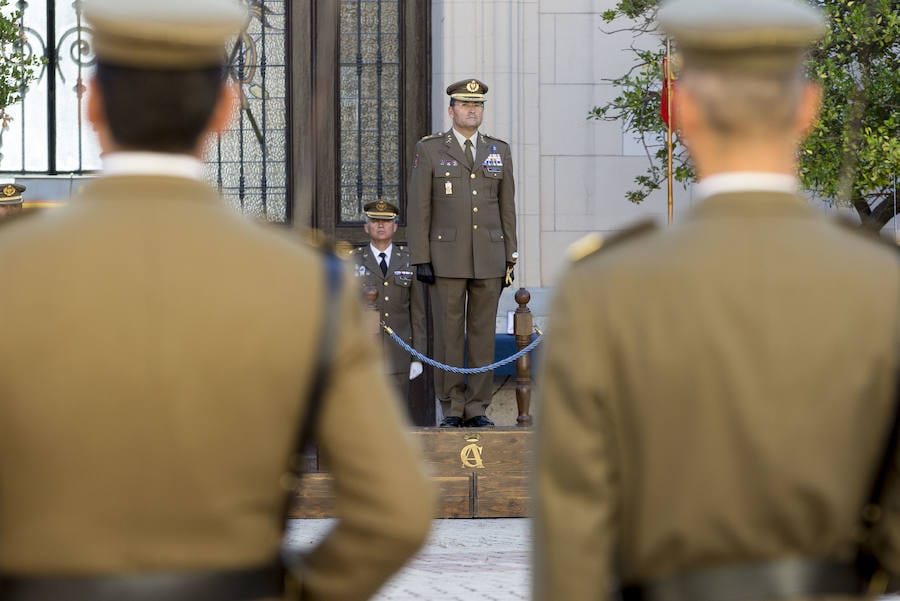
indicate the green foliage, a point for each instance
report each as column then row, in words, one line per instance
column 17, row 64
column 852, row 156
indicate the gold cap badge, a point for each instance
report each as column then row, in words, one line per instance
column 468, row 90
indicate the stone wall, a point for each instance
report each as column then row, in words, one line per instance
column 546, row 62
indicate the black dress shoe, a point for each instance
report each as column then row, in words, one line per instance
column 479, row 421
column 452, row 421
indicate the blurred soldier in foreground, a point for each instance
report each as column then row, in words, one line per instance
column 385, row 266
column 717, row 396
column 155, row 378
column 10, row 199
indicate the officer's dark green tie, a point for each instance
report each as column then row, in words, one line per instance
column 470, row 158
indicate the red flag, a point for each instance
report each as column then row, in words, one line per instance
column 668, row 82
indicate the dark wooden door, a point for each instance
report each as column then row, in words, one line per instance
column 359, row 100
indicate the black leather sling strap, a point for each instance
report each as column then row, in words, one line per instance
column 321, row 372
column 867, row 562
column 797, row 577
column 209, row 585
column 327, row 336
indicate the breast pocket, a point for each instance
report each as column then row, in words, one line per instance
column 403, row 278
column 492, row 172
column 447, row 180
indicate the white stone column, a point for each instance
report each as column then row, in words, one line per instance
column 587, row 166
column 548, row 63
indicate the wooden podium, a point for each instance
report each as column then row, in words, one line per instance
column 479, row 473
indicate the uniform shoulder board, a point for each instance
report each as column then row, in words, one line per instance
column 594, row 242
column 495, row 138
column 343, row 248
column 868, row 233
column 433, row 136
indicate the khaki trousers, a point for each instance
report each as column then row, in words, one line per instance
column 467, row 312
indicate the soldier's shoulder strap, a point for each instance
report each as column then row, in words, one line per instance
column 593, row 243
column 321, row 374
column 434, row 136
column 495, row 139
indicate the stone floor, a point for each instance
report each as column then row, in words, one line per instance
column 464, row 560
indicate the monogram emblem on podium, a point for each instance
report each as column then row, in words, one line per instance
column 470, row 455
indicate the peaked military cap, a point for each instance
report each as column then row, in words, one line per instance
column 468, row 90
column 381, row 209
column 164, row 34
column 11, row 194
column 758, row 35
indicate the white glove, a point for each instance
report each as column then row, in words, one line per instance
column 415, row 370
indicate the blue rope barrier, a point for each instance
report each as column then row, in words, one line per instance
column 460, row 370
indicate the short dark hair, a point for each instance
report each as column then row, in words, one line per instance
column 158, row 110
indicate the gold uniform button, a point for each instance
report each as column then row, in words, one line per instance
column 474, row 227
column 385, row 283
column 387, row 314
column 474, row 192
column 447, row 174
column 387, row 298
column 472, row 176
column 440, row 237
column 475, row 210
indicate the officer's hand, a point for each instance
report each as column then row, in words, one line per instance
column 424, row 273
column 510, row 276
column 415, row 370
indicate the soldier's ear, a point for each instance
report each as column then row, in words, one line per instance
column 226, row 106
column 808, row 110
column 96, row 114
column 94, row 108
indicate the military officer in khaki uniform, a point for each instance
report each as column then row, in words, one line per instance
column 385, row 266
column 462, row 237
column 10, row 199
column 716, row 395
column 156, row 377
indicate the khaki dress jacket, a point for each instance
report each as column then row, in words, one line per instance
column 400, row 303
column 714, row 394
column 462, row 221
column 155, row 360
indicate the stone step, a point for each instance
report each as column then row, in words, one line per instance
column 479, row 473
